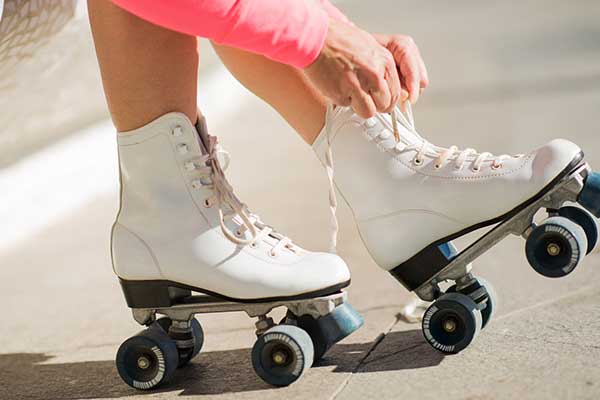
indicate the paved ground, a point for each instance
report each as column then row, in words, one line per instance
column 506, row 76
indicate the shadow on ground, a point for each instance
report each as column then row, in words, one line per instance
column 29, row 375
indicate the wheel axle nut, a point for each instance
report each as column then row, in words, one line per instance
column 553, row 249
column 449, row 325
column 143, row 363
column 279, row 357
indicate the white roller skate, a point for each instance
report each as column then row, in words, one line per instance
column 181, row 229
column 410, row 199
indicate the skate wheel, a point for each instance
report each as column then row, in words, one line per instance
column 329, row 329
column 147, row 359
column 196, row 334
column 590, row 195
column 584, row 219
column 451, row 323
column 282, row 355
column 556, row 247
column 491, row 305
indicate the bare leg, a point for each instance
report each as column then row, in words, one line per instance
column 285, row 88
column 147, row 71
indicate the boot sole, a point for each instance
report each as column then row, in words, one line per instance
column 165, row 293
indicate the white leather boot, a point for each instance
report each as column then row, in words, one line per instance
column 409, row 197
column 180, row 226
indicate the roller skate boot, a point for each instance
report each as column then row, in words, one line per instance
column 411, row 198
column 184, row 244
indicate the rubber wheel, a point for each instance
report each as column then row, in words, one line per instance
column 584, row 219
column 491, row 304
column 451, row 323
column 148, row 359
column 329, row 329
column 556, row 247
column 197, row 334
column 282, row 355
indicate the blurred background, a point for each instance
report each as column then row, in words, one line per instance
column 506, row 76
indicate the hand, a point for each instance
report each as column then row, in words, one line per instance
column 413, row 74
column 354, row 69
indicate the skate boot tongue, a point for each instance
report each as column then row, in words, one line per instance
column 238, row 223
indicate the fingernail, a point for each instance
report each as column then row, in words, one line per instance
column 414, row 98
column 404, row 95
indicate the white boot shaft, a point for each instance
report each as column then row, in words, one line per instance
column 179, row 221
column 406, row 195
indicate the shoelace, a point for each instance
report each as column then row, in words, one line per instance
column 230, row 207
column 422, row 148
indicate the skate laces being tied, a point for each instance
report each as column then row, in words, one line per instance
column 409, row 140
column 231, row 208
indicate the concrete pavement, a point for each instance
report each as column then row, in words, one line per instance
column 506, row 76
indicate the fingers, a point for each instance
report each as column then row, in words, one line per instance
column 379, row 83
column 411, row 65
column 424, row 74
column 411, row 74
column 393, row 81
column 361, row 101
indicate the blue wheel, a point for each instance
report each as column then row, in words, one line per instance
column 556, row 247
column 329, row 329
column 189, row 343
column 451, row 323
column 584, row 219
column 282, row 355
column 590, row 195
column 491, row 305
column 148, row 359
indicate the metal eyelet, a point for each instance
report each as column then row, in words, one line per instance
column 476, row 169
column 272, row 254
column 196, row 184
column 207, row 203
column 437, row 166
column 253, row 245
column 177, row 131
column 496, row 167
column 418, row 161
column 370, row 122
column 384, row 135
column 182, row 149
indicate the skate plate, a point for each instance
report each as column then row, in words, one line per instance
column 281, row 354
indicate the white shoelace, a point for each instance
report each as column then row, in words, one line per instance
column 231, row 208
column 422, row 148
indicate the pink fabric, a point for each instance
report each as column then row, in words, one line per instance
column 288, row 31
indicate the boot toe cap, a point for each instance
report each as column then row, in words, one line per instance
column 551, row 159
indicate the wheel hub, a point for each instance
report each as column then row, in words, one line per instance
column 143, row 363
column 553, row 249
column 279, row 357
column 449, row 325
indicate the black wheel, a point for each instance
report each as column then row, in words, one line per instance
column 491, row 302
column 183, row 339
column 556, row 247
column 329, row 329
column 584, row 219
column 282, row 355
column 451, row 323
column 147, row 359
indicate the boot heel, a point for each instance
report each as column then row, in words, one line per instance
column 152, row 294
